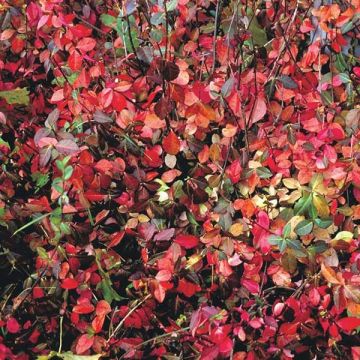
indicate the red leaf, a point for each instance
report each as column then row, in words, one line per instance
column 84, row 343
column 103, row 165
column 158, row 290
column 118, row 101
column 234, row 171
column 75, row 61
column 349, row 323
column 12, row 326
column 164, row 275
column 116, row 238
column 83, row 80
column 17, row 45
column 86, row 44
column 92, row 195
column 69, row 284
column 251, row 285
column 152, row 157
column 188, row 288
column 98, row 323
column 256, row 111
column 171, row 144
column 187, row 241
column 83, row 308
column 103, row 308
column 80, row 30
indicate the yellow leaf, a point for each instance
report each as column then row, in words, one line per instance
column 344, row 235
column 18, row 96
column 321, row 205
column 352, row 292
column 229, row 131
column 193, row 259
column 291, row 183
column 236, row 229
column 143, row 218
column 317, row 184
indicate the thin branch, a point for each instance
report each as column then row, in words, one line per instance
column 121, row 323
column 217, row 20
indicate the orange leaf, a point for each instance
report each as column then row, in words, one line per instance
column 171, row 144
column 329, row 274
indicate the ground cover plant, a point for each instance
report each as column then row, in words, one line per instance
column 179, row 179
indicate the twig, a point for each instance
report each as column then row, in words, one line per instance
column 217, row 20
column 61, row 334
column 283, row 46
column 121, row 323
column 36, row 281
column 225, row 163
column 91, row 25
column 155, row 338
column 166, row 30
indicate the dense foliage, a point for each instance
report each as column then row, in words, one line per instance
column 179, row 179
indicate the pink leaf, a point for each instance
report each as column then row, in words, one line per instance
column 261, row 233
column 12, row 326
column 256, row 111
column 84, row 343
column 67, row 147
column 86, row 44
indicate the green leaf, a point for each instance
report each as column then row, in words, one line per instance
column 32, row 222
column 275, row 239
column 344, row 78
column 323, row 223
column 68, row 172
column 263, row 172
column 282, row 245
column 42, row 253
column 326, row 97
column 18, row 96
column 171, row 5
column 65, row 228
column 304, row 227
column 297, row 246
column 108, row 292
column 340, row 62
column 317, row 248
column 157, row 18
column 287, row 230
column 68, row 356
column 177, row 189
column 41, row 179
column 60, row 80
column 303, row 204
column 227, row 87
column 347, row 27
column 108, row 20
column 286, row 214
column 191, row 218
column 258, row 34
column 313, row 213
column 288, row 82
column 4, row 143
